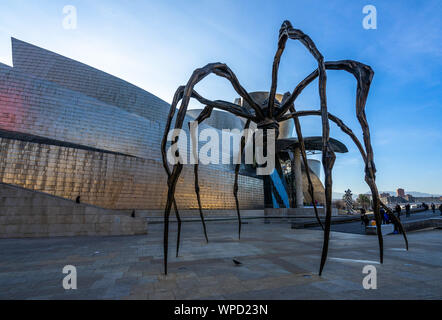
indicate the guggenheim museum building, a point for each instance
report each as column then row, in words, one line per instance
column 75, row 132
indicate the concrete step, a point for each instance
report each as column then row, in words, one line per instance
column 29, row 213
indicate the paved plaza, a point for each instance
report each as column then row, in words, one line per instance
column 277, row 263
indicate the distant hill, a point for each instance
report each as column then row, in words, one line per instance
column 413, row 193
column 339, row 195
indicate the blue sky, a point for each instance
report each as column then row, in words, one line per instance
column 157, row 44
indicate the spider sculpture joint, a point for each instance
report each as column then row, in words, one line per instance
column 268, row 116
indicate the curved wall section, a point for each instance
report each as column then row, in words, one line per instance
column 70, row 130
column 117, row 181
column 39, row 107
column 315, row 166
column 34, row 106
column 82, row 78
column 319, row 192
column 219, row 119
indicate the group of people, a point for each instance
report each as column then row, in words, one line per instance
column 387, row 218
column 398, row 210
column 386, row 215
column 433, row 208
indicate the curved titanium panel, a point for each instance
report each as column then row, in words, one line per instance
column 117, row 181
column 219, row 119
column 38, row 107
column 82, row 78
column 317, row 186
column 315, row 166
column 76, row 129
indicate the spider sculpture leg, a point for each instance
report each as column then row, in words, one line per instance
column 199, row 74
column 361, row 97
column 178, row 218
column 350, row 133
column 235, row 185
column 177, row 97
column 311, row 190
column 363, row 75
column 171, row 182
column 328, row 155
column 307, row 169
column 198, row 198
column 397, row 221
column 203, row 115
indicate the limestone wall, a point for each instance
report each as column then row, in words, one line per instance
column 25, row 213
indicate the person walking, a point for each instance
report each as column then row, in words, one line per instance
column 440, row 209
column 387, row 218
column 398, row 211
column 433, row 207
column 364, row 218
column 396, row 227
column 407, row 210
column 382, row 213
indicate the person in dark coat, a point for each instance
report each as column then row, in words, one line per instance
column 364, row 218
column 433, row 207
column 387, row 218
column 398, row 211
column 382, row 213
column 440, row 209
column 396, row 226
column 407, row 210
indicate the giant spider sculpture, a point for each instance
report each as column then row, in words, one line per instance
column 268, row 116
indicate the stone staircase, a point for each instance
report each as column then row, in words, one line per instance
column 27, row 213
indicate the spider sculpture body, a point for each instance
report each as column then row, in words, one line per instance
column 268, row 116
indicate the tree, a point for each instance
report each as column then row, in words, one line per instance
column 340, row 204
column 363, row 201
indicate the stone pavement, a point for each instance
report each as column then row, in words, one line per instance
column 277, row 263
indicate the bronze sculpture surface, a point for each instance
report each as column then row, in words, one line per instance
column 268, row 116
